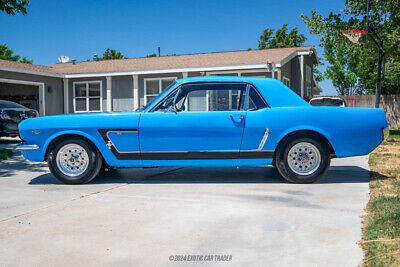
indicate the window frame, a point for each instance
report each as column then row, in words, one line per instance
column 309, row 81
column 258, row 93
column 87, row 97
column 245, row 106
column 159, row 79
column 286, row 81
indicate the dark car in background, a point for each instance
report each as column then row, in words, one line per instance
column 327, row 102
column 11, row 114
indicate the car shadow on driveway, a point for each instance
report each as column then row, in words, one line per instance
column 16, row 163
column 336, row 174
column 10, row 140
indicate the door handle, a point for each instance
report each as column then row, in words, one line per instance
column 241, row 117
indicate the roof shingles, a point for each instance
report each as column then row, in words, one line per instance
column 164, row 62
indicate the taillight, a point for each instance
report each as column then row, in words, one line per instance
column 4, row 116
column 36, row 114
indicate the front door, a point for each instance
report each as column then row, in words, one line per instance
column 200, row 122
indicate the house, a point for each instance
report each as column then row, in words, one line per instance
column 128, row 84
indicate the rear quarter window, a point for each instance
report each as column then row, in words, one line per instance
column 327, row 102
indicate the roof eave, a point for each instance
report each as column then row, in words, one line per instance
column 57, row 75
column 168, row 70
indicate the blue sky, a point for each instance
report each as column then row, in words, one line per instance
column 79, row 29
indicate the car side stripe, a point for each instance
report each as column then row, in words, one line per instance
column 182, row 155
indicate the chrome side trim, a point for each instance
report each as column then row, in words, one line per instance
column 264, row 139
column 27, row 147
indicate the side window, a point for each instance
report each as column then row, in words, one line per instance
column 255, row 100
column 167, row 103
column 211, row 97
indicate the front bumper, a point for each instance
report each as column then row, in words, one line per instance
column 27, row 147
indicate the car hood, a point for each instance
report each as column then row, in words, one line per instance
column 81, row 121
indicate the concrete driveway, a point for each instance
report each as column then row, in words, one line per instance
column 142, row 217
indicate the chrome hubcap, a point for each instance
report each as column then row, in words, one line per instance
column 304, row 158
column 72, row 160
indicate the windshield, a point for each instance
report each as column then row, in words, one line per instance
column 330, row 102
column 9, row 104
column 157, row 98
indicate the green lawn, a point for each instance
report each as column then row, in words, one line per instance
column 381, row 231
column 5, row 153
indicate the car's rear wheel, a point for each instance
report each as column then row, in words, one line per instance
column 303, row 158
column 74, row 161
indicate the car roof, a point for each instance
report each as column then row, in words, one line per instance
column 274, row 91
column 222, row 79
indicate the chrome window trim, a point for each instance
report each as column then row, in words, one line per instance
column 205, row 82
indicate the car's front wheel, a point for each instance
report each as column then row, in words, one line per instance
column 74, row 161
column 303, row 158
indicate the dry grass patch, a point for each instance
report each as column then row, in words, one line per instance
column 381, row 231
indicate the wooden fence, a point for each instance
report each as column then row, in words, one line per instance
column 389, row 103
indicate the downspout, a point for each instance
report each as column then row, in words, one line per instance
column 302, row 76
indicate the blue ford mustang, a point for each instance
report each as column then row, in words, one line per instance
column 206, row 121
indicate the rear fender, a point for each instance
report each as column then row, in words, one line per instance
column 305, row 128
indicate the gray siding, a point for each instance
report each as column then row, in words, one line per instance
column 257, row 74
column 122, row 93
column 295, row 74
column 194, row 74
column 286, row 71
column 295, row 80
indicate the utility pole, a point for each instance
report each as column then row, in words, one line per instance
column 381, row 58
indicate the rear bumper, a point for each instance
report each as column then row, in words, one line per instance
column 9, row 128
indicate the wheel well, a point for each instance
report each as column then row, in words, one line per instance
column 332, row 151
column 63, row 137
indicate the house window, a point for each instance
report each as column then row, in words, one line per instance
column 87, row 96
column 286, row 81
column 154, row 86
column 308, row 81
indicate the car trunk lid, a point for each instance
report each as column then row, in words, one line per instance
column 19, row 114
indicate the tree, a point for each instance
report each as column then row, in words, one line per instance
column 7, row 54
column 11, row 7
column 353, row 67
column 152, row 55
column 112, row 54
column 281, row 38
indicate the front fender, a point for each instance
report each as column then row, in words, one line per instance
column 40, row 154
column 68, row 132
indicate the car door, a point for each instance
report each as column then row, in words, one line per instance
column 199, row 122
column 260, row 120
